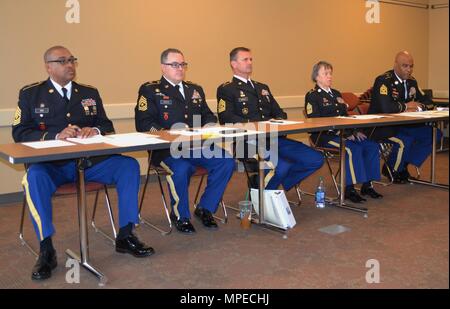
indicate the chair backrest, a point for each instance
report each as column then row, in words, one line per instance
column 351, row 99
column 363, row 108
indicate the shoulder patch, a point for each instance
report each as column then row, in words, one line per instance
column 222, row 106
column 32, row 85
column 142, row 104
column 388, row 74
column 383, row 90
column 17, row 116
column 152, row 83
column 309, row 108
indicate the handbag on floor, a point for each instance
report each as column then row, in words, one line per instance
column 276, row 208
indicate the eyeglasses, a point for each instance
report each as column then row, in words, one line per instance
column 176, row 65
column 64, row 61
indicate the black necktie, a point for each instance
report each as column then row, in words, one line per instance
column 250, row 84
column 330, row 93
column 177, row 87
column 64, row 90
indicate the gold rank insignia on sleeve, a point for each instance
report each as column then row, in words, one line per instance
column 222, row 106
column 143, row 105
column 309, row 108
column 17, row 116
column 383, row 90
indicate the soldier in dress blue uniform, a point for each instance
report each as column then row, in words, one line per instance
column 362, row 164
column 172, row 101
column 397, row 91
column 245, row 100
column 60, row 108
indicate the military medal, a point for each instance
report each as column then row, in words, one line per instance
column 242, row 94
column 196, row 95
column 245, row 111
column 42, row 126
column 166, row 116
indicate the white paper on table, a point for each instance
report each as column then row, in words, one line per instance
column 201, row 131
column 281, row 122
column 247, row 132
column 48, row 144
column 97, row 139
column 126, row 140
column 192, row 132
column 363, row 117
column 427, row 114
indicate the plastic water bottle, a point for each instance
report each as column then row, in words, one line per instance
column 320, row 194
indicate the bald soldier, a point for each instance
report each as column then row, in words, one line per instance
column 397, row 91
column 56, row 109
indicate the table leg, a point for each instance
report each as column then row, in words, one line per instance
column 83, row 259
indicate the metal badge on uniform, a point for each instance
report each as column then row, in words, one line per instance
column 340, row 100
column 42, row 126
column 165, row 101
column 157, row 90
column 51, row 91
column 196, row 95
column 326, row 102
column 245, row 111
column 396, row 82
column 242, row 94
column 41, row 109
column 166, row 116
column 76, row 90
column 243, row 99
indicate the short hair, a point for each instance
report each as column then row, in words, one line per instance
column 317, row 67
column 49, row 51
column 168, row 51
column 235, row 51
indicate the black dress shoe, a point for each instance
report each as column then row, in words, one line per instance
column 397, row 177
column 133, row 246
column 352, row 195
column 370, row 192
column 45, row 264
column 183, row 225
column 206, row 217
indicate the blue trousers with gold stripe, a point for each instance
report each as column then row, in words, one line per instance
column 411, row 145
column 42, row 180
column 219, row 170
column 362, row 160
column 296, row 161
